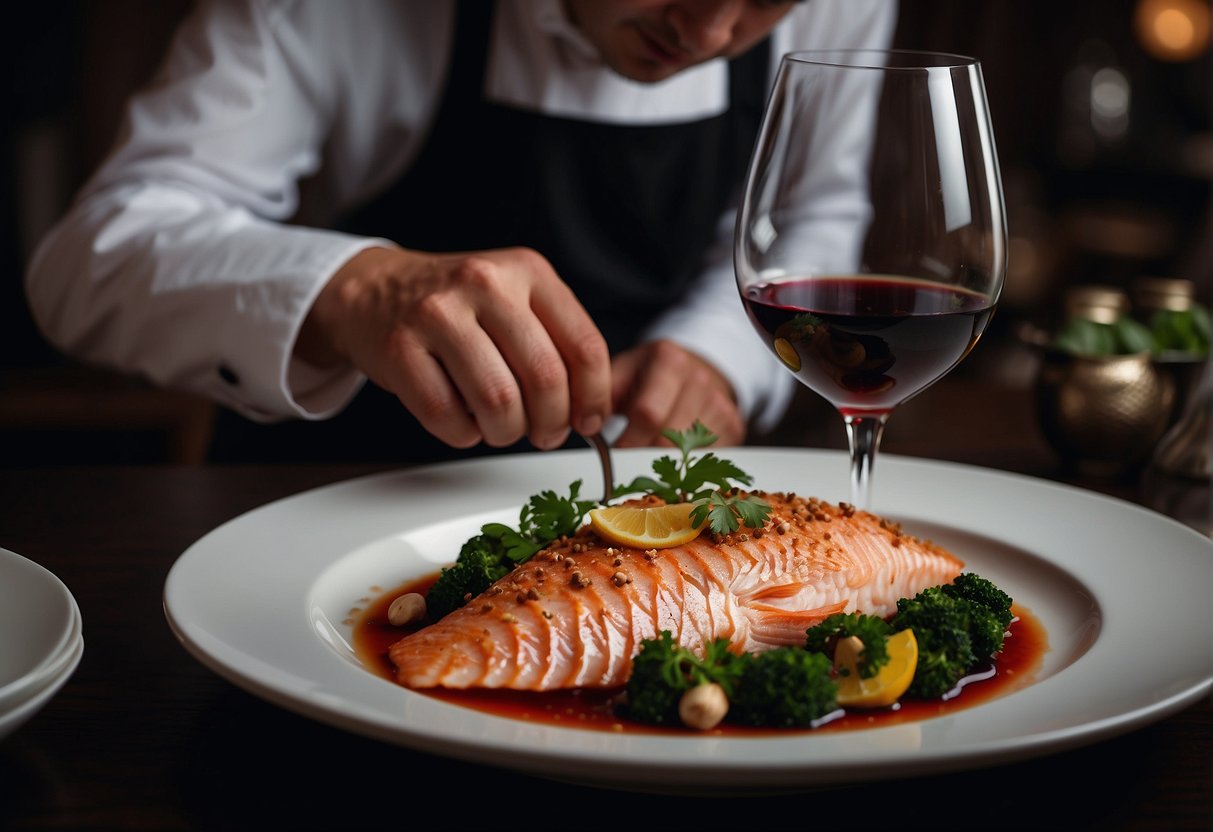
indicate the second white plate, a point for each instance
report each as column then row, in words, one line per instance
column 39, row 622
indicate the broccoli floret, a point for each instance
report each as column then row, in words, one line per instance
column 991, row 614
column 957, row 626
column 945, row 651
column 979, row 590
column 785, row 687
column 477, row 567
column 652, row 692
column 986, row 632
column 872, row 630
column 662, row 671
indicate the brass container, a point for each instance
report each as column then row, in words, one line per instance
column 1178, row 479
column 1102, row 415
column 1154, row 294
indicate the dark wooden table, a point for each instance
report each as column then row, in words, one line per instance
column 144, row 737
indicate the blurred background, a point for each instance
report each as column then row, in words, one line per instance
column 1101, row 116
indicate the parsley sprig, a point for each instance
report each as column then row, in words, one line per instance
column 708, row 482
column 545, row 517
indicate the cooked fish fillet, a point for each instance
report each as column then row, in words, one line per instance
column 575, row 614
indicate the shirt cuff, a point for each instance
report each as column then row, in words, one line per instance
column 313, row 392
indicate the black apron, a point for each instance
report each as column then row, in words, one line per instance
column 624, row 214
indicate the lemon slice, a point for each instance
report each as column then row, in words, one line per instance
column 649, row 527
column 890, row 682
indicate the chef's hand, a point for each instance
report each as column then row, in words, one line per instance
column 488, row 346
column 661, row 385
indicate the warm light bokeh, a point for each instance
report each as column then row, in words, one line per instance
column 1173, row 30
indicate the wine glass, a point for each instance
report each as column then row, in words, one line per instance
column 871, row 240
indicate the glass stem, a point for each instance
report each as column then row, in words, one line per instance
column 863, row 436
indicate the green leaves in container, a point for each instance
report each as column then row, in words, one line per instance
column 1082, row 336
column 1181, row 330
column 1132, row 336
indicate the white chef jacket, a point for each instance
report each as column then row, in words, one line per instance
column 192, row 256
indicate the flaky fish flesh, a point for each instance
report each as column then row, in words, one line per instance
column 574, row 615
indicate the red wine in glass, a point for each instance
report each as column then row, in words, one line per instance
column 867, row 343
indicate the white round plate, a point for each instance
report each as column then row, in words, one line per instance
column 38, row 619
column 265, row 600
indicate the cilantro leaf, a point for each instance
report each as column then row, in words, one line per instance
column 719, row 514
column 711, row 469
column 547, row 516
column 706, row 481
column 697, row 436
column 752, row 510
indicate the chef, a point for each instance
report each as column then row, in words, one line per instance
column 395, row 230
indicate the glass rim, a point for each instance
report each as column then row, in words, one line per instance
column 909, row 60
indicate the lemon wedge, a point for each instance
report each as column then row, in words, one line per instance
column 890, row 682
column 647, row 527
column 787, row 354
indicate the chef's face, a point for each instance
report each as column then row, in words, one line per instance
column 650, row 40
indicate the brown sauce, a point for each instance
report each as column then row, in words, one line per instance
column 593, row 709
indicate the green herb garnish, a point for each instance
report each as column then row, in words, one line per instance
column 707, row 482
